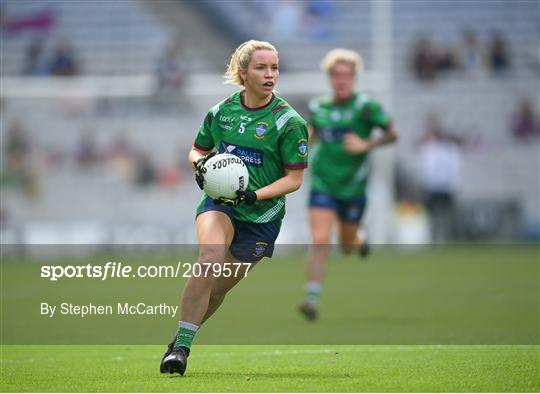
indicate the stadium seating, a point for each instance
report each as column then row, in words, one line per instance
column 113, row 37
column 124, row 38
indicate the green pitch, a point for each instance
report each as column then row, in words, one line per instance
column 461, row 295
column 274, row 369
column 389, row 324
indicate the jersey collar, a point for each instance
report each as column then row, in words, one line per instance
column 345, row 102
column 258, row 108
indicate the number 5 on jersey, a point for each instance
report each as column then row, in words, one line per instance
column 242, row 128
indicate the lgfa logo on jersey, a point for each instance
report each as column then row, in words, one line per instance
column 302, row 147
column 260, row 130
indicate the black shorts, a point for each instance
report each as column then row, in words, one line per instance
column 251, row 241
column 350, row 210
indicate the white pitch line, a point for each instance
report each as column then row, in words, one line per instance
column 360, row 349
column 323, row 351
column 278, row 353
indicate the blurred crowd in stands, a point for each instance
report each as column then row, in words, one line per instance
column 438, row 165
column 525, row 122
column 171, row 67
column 289, row 18
column 436, row 178
column 431, row 61
column 18, row 167
column 62, row 62
column 25, row 161
column 46, row 54
column 131, row 162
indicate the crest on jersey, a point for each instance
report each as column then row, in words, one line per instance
column 260, row 130
column 260, row 248
column 302, row 147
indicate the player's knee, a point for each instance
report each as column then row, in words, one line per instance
column 212, row 254
column 321, row 239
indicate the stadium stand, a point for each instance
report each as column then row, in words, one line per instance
column 113, row 37
column 127, row 38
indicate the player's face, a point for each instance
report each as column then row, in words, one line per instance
column 262, row 73
column 342, row 79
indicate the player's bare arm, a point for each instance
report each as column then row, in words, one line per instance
column 389, row 136
column 195, row 154
column 353, row 144
column 291, row 182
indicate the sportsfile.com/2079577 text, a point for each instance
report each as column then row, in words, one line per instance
column 116, row 270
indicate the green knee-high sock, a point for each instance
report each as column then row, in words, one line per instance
column 186, row 333
column 313, row 293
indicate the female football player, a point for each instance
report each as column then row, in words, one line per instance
column 342, row 123
column 271, row 138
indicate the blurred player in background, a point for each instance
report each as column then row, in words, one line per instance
column 342, row 124
column 271, row 138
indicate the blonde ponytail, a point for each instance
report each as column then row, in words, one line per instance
column 240, row 60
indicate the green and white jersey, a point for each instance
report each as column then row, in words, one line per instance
column 269, row 140
column 334, row 171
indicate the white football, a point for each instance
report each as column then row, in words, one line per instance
column 225, row 174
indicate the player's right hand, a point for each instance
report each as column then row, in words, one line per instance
column 355, row 145
column 200, row 169
column 243, row 197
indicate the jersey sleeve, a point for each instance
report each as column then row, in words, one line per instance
column 375, row 115
column 204, row 139
column 294, row 145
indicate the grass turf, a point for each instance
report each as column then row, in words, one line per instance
column 317, row 368
column 462, row 295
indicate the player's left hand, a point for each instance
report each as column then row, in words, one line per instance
column 355, row 145
column 243, row 197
